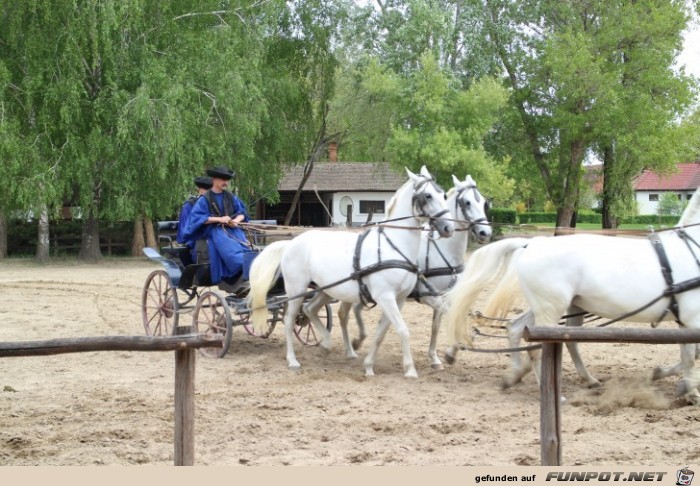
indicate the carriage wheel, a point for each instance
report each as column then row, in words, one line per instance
column 304, row 330
column 212, row 317
column 160, row 306
column 271, row 323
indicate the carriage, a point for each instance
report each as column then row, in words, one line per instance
column 184, row 287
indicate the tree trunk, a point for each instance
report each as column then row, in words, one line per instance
column 150, row 234
column 90, row 238
column 3, row 235
column 43, row 241
column 137, row 242
column 610, row 221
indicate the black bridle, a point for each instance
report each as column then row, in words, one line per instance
column 420, row 200
column 461, row 206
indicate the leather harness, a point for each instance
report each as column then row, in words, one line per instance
column 674, row 288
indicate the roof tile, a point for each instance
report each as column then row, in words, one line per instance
column 344, row 176
column 687, row 178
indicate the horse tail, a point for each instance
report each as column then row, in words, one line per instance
column 263, row 274
column 484, row 266
column 501, row 299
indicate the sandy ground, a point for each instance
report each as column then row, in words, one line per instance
column 116, row 408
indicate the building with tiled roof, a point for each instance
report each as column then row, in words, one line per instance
column 649, row 186
column 344, row 176
column 352, row 192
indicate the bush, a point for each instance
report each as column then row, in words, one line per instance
column 666, row 219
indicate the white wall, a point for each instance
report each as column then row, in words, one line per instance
column 357, row 217
column 646, row 206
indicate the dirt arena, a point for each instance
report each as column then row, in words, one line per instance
column 116, row 408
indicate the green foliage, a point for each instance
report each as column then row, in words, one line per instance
column 502, row 216
column 670, row 204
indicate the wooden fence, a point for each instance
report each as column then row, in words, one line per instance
column 550, row 381
column 184, row 345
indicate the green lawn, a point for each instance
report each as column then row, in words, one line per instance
column 596, row 226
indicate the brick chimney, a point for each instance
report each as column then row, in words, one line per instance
column 333, row 151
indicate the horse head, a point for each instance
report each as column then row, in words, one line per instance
column 429, row 204
column 470, row 209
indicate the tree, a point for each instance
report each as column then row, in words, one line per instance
column 581, row 79
column 122, row 103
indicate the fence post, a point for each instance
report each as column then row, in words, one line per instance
column 550, row 404
column 184, row 403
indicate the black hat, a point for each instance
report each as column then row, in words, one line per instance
column 203, row 181
column 221, row 172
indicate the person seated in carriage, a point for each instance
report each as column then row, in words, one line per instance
column 215, row 217
column 203, row 184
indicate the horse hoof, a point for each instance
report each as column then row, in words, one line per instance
column 437, row 367
column 411, row 374
column 369, row 372
column 356, row 343
column 594, row 384
column 508, row 381
column 450, row 359
column 657, row 374
column 294, row 367
column 351, row 355
column 682, row 389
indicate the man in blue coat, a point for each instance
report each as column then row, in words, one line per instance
column 215, row 216
column 203, row 184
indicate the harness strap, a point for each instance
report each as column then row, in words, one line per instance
column 365, row 296
column 666, row 271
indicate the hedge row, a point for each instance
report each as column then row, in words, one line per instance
column 588, row 217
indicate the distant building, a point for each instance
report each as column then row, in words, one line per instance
column 649, row 186
column 363, row 188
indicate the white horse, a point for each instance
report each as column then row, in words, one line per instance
column 604, row 276
column 440, row 261
column 379, row 264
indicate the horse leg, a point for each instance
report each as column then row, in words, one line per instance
column 392, row 314
column 357, row 342
column 573, row 350
column 677, row 369
column 435, row 362
column 379, row 335
column 343, row 317
column 293, row 307
column 688, row 385
column 515, row 335
column 311, row 309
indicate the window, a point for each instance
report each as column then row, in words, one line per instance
column 374, row 207
column 653, row 197
column 688, row 197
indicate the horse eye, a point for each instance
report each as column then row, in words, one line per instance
column 444, row 195
column 428, row 196
column 469, row 203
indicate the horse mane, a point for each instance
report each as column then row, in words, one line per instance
column 392, row 202
column 690, row 213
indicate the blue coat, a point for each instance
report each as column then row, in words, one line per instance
column 226, row 245
column 182, row 225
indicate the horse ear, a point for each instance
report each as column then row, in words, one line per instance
column 469, row 180
column 455, row 181
column 410, row 174
column 424, row 172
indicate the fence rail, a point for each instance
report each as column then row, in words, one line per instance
column 184, row 344
column 552, row 339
